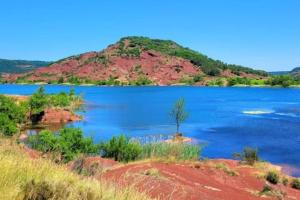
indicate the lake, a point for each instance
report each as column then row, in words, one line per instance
column 226, row 119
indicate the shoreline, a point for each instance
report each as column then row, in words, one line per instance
column 173, row 85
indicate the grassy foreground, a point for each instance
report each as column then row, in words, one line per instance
column 28, row 179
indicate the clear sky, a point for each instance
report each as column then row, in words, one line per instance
column 263, row 34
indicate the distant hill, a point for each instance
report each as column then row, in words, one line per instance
column 279, row 73
column 138, row 60
column 294, row 72
column 20, row 66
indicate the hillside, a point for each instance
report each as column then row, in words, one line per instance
column 137, row 61
column 295, row 72
column 20, row 66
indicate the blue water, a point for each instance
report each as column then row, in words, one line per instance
column 226, row 119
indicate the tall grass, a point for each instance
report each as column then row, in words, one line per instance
column 173, row 151
column 24, row 178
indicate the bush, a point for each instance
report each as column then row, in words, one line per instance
column 296, row 183
column 7, row 126
column 142, row 80
column 45, row 141
column 11, row 115
column 13, row 111
column 198, row 78
column 121, row 148
column 60, row 100
column 38, row 102
column 249, row 156
column 69, row 143
column 285, row 181
column 272, row 177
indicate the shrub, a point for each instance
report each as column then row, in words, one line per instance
column 198, row 78
column 69, row 143
column 272, row 177
column 7, row 126
column 249, row 156
column 266, row 189
column 296, row 183
column 11, row 115
column 285, row 181
column 60, row 100
column 38, row 102
column 13, row 111
column 121, row 148
column 44, row 141
column 142, row 80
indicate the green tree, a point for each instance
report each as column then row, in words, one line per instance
column 38, row 102
column 178, row 113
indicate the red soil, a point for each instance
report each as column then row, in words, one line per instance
column 195, row 181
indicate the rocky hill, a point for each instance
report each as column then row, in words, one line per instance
column 139, row 61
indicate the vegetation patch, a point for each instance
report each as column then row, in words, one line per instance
column 268, row 191
column 121, row 148
column 296, row 183
column 272, row 177
column 226, row 169
column 23, row 178
column 248, row 156
column 67, row 144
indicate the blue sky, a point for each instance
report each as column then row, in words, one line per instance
column 263, row 34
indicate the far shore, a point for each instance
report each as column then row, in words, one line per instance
column 173, row 85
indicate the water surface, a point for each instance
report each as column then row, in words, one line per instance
column 227, row 119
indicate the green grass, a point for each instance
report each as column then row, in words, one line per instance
column 170, row 151
column 22, row 178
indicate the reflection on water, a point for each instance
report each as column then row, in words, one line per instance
column 31, row 130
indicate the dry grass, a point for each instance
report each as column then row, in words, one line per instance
column 24, row 178
column 226, row 169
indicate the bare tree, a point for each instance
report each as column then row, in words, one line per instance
column 178, row 113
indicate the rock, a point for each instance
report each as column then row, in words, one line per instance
column 57, row 115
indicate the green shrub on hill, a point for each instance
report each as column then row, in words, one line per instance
column 249, row 156
column 121, row 148
column 296, row 183
column 272, row 177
